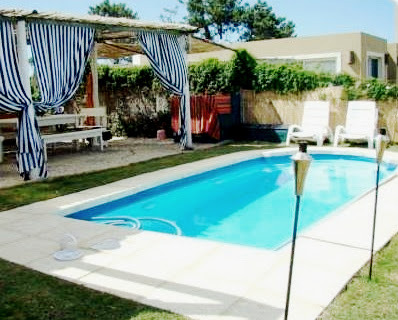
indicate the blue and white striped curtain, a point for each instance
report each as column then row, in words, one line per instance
column 60, row 53
column 14, row 99
column 166, row 55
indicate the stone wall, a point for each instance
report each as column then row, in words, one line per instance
column 272, row 108
column 130, row 103
column 134, row 113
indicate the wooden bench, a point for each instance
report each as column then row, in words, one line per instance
column 72, row 136
column 79, row 132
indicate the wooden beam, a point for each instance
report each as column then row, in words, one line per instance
column 94, row 72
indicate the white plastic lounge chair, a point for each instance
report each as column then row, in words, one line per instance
column 315, row 124
column 361, row 123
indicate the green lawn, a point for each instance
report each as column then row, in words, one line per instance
column 30, row 295
column 26, row 294
column 370, row 300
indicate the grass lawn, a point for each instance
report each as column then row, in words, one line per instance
column 26, row 294
column 370, row 300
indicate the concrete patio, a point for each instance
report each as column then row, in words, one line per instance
column 198, row 278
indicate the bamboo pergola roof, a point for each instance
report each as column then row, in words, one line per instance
column 105, row 24
column 115, row 37
column 112, row 49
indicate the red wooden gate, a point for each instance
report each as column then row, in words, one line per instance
column 204, row 113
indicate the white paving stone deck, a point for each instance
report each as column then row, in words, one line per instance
column 202, row 279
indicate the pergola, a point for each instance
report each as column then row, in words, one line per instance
column 118, row 37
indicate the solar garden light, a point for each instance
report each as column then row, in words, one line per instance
column 381, row 145
column 301, row 164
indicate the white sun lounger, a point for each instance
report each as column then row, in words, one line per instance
column 315, row 124
column 361, row 123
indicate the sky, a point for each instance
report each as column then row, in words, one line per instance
column 311, row 17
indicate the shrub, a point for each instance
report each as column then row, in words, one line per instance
column 371, row 89
column 210, row 76
column 287, row 78
column 378, row 90
column 133, row 78
column 243, row 67
column 344, row 80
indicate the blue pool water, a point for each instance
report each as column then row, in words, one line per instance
column 250, row 203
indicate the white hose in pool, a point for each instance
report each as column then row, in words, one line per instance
column 171, row 223
column 135, row 223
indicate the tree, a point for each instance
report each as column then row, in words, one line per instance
column 218, row 18
column 107, row 9
column 169, row 14
column 214, row 17
column 120, row 10
column 261, row 23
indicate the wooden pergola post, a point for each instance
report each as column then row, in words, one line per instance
column 188, row 123
column 396, row 20
column 94, row 73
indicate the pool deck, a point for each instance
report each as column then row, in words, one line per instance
column 198, row 278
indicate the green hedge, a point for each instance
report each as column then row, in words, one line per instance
column 379, row 90
column 210, row 76
column 114, row 78
column 213, row 76
column 288, row 79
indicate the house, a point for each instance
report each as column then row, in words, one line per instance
column 358, row 54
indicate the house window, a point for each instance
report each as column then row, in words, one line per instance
column 321, row 62
column 328, row 65
column 375, row 65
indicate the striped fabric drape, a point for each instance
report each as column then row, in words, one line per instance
column 166, row 55
column 14, row 99
column 60, row 54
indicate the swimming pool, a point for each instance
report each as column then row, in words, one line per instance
column 249, row 203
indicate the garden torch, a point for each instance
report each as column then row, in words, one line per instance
column 381, row 145
column 301, row 164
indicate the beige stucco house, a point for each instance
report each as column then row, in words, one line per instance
column 358, row 54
